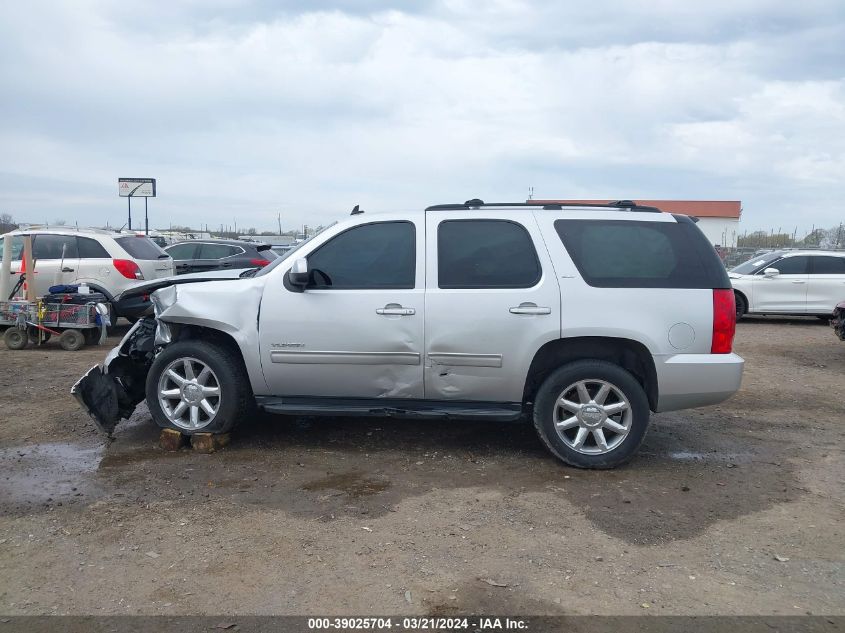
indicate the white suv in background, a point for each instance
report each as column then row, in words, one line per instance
column 790, row 282
column 108, row 262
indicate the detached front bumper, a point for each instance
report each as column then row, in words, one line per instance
column 686, row 381
column 111, row 391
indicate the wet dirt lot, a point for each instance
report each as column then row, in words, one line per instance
column 734, row 509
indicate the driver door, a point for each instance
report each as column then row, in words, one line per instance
column 356, row 330
column 786, row 291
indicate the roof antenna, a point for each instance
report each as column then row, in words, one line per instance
column 356, row 210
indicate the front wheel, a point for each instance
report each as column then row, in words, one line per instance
column 741, row 305
column 591, row 414
column 197, row 387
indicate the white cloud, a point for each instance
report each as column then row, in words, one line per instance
column 245, row 110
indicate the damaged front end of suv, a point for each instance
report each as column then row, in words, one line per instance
column 216, row 309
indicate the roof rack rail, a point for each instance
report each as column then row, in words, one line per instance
column 477, row 203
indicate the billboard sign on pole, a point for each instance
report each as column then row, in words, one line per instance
column 136, row 187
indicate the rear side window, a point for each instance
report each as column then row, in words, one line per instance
column 641, row 254
column 140, row 247
column 378, row 255
column 825, row 265
column 46, row 246
column 218, row 251
column 792, row 265
column 91, row 249
column 485, row 254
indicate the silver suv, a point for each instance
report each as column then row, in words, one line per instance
column 581, row 319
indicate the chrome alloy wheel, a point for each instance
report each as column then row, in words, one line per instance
column 592, row 416
column 189, row 393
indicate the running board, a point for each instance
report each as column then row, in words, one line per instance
column 392, row 408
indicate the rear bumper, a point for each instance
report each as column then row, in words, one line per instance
column 134, row 307
column 695, row 380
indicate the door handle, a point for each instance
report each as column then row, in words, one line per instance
column 798, row 281
column 529, row 308
column 394, row 309
column 226, row 265
column 67, row 270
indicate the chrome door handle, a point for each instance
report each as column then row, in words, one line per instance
column 798, row 281
column 394, row 309
column 529, row 308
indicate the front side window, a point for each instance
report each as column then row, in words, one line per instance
column 370, row 256
column 47, row 246
column 182, row 252
column 16, row 247
column 826, row 265
column 218, row 251
column 485, row 254
column 792, row 265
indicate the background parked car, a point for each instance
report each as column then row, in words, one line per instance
column 195, row 256
column 790, row 282
column 108, row 262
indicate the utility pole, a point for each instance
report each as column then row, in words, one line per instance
column 280, row 223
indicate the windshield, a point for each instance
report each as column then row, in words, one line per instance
column 754, row 264
column 286, row 256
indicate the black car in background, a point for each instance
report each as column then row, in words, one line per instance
column 196, row 256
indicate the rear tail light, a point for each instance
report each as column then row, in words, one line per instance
column 724, row 321
column 258, row 262
column 128, row 268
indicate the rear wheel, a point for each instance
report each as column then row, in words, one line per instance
column 741, row 306
column 591, row 414
column 15, row 338
column 71, row 340
column 197, row 387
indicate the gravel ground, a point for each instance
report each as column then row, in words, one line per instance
column 733, row 509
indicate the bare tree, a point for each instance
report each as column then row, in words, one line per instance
column 7, row 223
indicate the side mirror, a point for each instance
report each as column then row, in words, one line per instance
column 771, row 272
column 298, row 275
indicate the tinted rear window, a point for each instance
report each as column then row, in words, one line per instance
column 140, row 247
column 635, row 254
column 91, row 249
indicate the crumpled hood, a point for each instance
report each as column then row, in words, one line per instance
column 148, row 287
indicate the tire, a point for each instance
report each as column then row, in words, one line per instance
column 741, row 305
column 623, row 393
column 15, row 338
column 71, row 340
column 228, row 374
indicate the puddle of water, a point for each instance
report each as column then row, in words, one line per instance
column 353, row 484
column 41, row 473
column 690, row 456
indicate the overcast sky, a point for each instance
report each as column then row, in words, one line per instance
column 243, row 110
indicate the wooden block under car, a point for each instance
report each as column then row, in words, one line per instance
column 209, row 442
column 171, row 440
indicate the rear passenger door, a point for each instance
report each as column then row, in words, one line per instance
column 826, row 287
column 491, row 301
column 95, row 263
